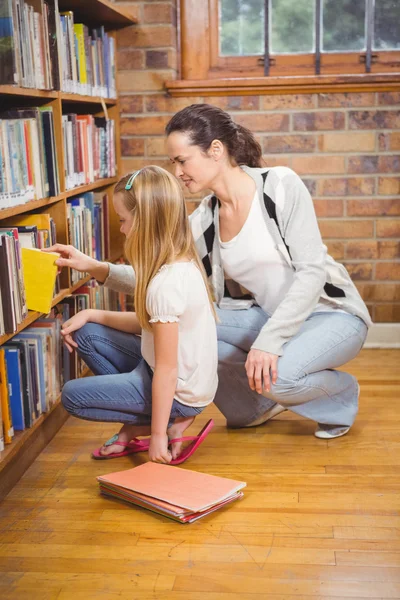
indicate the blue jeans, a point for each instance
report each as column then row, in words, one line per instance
column 307, row 384
column 121, row 390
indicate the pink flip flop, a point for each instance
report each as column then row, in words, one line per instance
column 196, row 441
column 131, row 447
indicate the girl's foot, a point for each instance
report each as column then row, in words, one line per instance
column 126, row 434
column 177, row 431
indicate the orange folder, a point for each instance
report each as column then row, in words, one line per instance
column 181, row 488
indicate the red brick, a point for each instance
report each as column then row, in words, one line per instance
column 131, row 104
column 288, row 101
column 328, row 208
column 388, row 186
column 191, row 206
column 373, row 207
column 317, row 121
column 146, row 36
column 362, row 249
column 156, row 146
column 311, row 185
column 390, row 249
column 388, row 228
column 143, row 125
column 164, row 103
column 374, row 164
column 389, row 141
column 289, row 143
column 340, row 229
column 360, row 186
column 233, row 103
column 133, row 164
column 388, row 271
column 336, row 250
column 345, row 100
column 319, row 165
column 332, row 187
column 379, row 292
column 389, row 98
column 277, row 161
column 130, row 59
column 387, row 313
column 143, row 81
column 359, row 271
column 263, row 122
column 347, row 142
column 156, row 59
column 374, row 119
column 132, row 146
column 158, row 13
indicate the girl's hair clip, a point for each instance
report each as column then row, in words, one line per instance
column 131, row 180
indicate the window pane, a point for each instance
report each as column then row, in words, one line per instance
column 292, row 26
column 343, row 25
column 241, row 27
column 387, row 24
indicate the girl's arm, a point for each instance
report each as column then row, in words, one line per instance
column 163, row 387
column 116, row 320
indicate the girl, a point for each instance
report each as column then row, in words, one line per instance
column 166, row 378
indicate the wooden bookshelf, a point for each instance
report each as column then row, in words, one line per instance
column 26, row 445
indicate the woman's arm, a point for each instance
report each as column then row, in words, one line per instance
column 163, row 387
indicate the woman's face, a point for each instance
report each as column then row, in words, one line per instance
column 194, row 167
column 125, row 216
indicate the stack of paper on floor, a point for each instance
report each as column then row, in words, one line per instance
column 182, row 495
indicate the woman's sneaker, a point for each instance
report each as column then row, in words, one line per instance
column 328, row 432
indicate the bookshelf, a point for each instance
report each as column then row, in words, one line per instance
column 27, row 444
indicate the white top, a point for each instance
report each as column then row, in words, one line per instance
column 177, row 294
column 252, row 259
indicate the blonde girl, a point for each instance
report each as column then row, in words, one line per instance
column 168, row 374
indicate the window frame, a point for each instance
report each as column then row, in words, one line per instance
column 204, row 71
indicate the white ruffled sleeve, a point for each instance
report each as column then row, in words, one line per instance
column 165, row 298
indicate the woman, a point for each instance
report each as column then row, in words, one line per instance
column 289, row 314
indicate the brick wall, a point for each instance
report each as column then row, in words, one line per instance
column 346, row 147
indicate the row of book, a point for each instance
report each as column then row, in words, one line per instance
column 87, row 218
column 88, row 230
column 45, row 49
column 28, row 158
column 89, row 149
column 35, row 363
column 87, row 60
column 22, row 231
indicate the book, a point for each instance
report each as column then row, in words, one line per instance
column 5, row 400
column 13, row 363
column 40, row 272
column 180, row 494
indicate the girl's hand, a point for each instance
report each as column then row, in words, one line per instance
column 261, row 368
column 74, row 323
column 73, row 258
column 158, row 451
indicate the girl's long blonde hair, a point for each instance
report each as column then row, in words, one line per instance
column 160, row 232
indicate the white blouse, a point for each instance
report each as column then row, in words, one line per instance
column 177, row 294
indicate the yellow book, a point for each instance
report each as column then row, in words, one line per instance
column 5, row 401
column 80, row 36
column 41, row 220
column 40, row 273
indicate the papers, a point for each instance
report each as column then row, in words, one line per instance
column 177, row 493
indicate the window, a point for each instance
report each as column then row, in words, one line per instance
column 302, row 36
column 252, row 46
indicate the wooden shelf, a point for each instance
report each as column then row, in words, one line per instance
column 95, row 13
column 12, row 90
column 5, row 213
column 21, row 437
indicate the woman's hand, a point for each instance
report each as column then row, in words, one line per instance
column 158, row 451
column 74, row 323
column 261, row 369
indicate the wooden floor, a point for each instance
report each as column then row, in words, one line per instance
column 319, row 520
